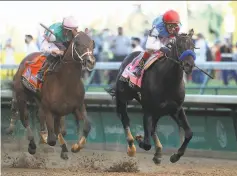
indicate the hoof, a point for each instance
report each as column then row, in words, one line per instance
column 156, row 160
column 131, row 151
column 51, row 140
column 64, row 155
column 75, row 148
column 52, row 143
column 31, row 151
column 174, row 158
column 147, row 147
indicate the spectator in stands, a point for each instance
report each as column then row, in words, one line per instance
column 107, row 39
column 217, row 57
column 201, row 57
column 30, row 46
column 9, row 58
column 121, row 48
column 226, row 56
column 87, row 31
column 136, row 44
column 97, row 53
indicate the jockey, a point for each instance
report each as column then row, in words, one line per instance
column 55, row 44
column 164, row 27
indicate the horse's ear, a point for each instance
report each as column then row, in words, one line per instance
column 93, row 44
column 191, row 32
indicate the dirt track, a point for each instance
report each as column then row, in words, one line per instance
column 93, row 162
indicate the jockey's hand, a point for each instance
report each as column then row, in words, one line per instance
column 165, row 50
column 58, row 52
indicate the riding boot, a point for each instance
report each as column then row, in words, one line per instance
column 139, row 67
column 40, row 74
column 46, row 63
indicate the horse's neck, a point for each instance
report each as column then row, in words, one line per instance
column 174, row 74
column 69, row 69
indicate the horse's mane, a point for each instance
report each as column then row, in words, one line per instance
column 183, row 34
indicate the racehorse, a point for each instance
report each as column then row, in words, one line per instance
column 162, row 92
column 61, row 93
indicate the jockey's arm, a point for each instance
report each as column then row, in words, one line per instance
column 50, row 48
column 153, row 42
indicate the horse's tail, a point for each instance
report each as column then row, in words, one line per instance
column 111, row 90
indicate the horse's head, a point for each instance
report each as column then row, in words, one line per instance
column 82, row 50
column 183, row 50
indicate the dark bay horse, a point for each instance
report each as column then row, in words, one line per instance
column 162, row 93
column 62, row 93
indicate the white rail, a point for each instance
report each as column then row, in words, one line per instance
column 116, row 65
column 212, row 99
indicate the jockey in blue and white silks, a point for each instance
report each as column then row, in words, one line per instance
column 163, row 28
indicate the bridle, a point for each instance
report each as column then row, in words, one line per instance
column 88, row 52
column 170, row 45
column 80, row 57
column 179, row 61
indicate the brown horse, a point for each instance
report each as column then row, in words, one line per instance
column 61, row 93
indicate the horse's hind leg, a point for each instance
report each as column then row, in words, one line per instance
column 14, row 112
column 123, row 115
column 64, row 151
column 79, row 114
column 158, row 146
column 188, row 136
column 21, row 102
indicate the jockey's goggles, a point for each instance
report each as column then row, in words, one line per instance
column 171, row 25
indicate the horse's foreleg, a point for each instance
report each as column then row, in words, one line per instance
column 51, row 140
column 63, row 126
column 181, row 130
column 123, row 115
column 21, row 103
column 158, row 146
column 43, row 130
column 147, row 125
column 188, row 136
column 57, row 126
column 81, row 114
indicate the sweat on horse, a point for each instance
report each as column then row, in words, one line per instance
column 61, row 93
column 161, row 92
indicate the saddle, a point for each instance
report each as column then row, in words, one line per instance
column 128, row 76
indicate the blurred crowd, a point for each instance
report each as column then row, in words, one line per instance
column 114, row 47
